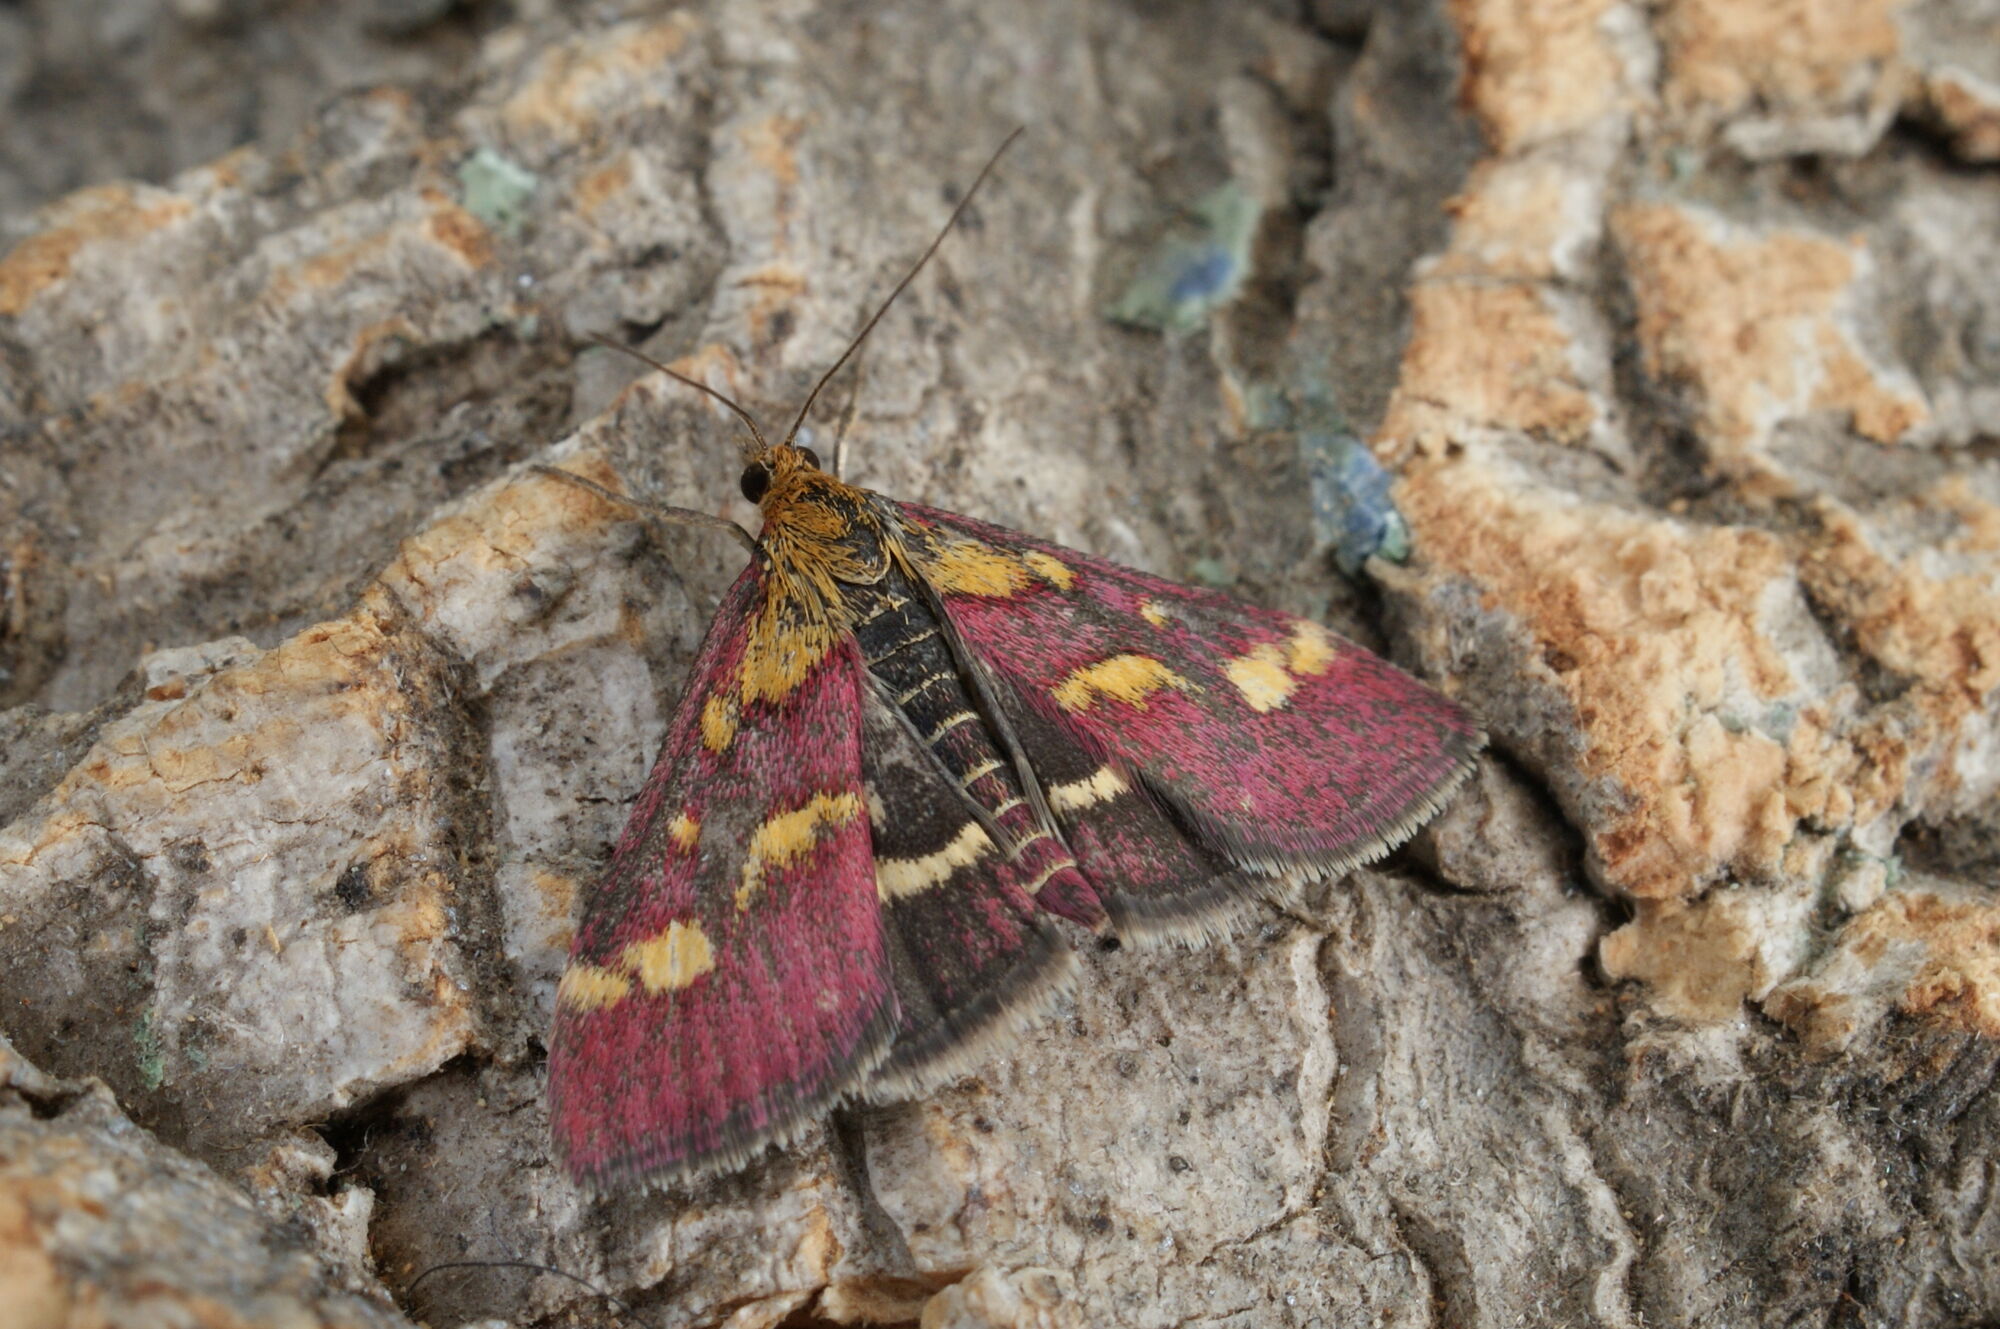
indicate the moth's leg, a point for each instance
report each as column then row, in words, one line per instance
column 651, row 511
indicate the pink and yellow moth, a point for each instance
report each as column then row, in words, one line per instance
column 911, row 743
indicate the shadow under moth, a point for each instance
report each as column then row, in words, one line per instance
column 910, row 743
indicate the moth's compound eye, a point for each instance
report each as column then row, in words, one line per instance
column 812, row 458
column 756, row 479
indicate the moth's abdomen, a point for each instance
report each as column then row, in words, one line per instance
column 906, row 649
column 963, row 870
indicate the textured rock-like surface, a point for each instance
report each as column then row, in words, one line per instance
column 1672, row 323
column 292, row 954
column 100, row 1224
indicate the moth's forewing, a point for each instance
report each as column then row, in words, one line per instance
column 729, row 979
column 1273, row 743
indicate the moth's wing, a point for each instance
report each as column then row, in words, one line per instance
column 729, row 979
column 1156, row 880
column 973, row 957
column 1271, row 742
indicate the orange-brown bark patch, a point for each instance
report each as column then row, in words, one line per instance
column 116, row 213
column 1748, row 322
column 1535, row 69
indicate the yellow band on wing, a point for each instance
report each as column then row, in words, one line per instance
column 1127, row 678
column 896, row 878
column 666, row 962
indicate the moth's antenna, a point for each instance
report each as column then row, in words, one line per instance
column 694, row 383
column 869, row 326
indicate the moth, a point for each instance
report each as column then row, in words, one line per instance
column 911, row 743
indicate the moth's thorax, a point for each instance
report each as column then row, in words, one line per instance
column 819, row 531
column 821, row 539
column 805, row 498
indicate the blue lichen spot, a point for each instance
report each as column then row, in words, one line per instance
column 1208, row 273
column 1195, row 271
column 1352, row 507
column 1353, row 510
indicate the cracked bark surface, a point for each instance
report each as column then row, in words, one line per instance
column 1673, row 325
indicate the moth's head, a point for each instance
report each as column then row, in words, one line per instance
column 779, row 470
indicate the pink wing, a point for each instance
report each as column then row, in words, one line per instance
column 1273, row 742
column 729, row 979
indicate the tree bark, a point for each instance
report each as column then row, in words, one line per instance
column 1630, row 371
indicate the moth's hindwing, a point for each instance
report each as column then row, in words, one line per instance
column 973, row 957
column 1274, row 743
column 920, row 670
column 730, row 978
column 1156, row 880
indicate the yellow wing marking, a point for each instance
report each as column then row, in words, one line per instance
column 685, row 832
column 779, row 655
column 1127, row 678
column 668, row 962
column 718, row 723
column 1101, row 787
column 1050, row 569
column 672, row 960
column 1268, row 674
column 1311, row 650
column 965, row 567
column 585, row 987
column 899, row 877
column 1260, row 676
column 787, row 837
